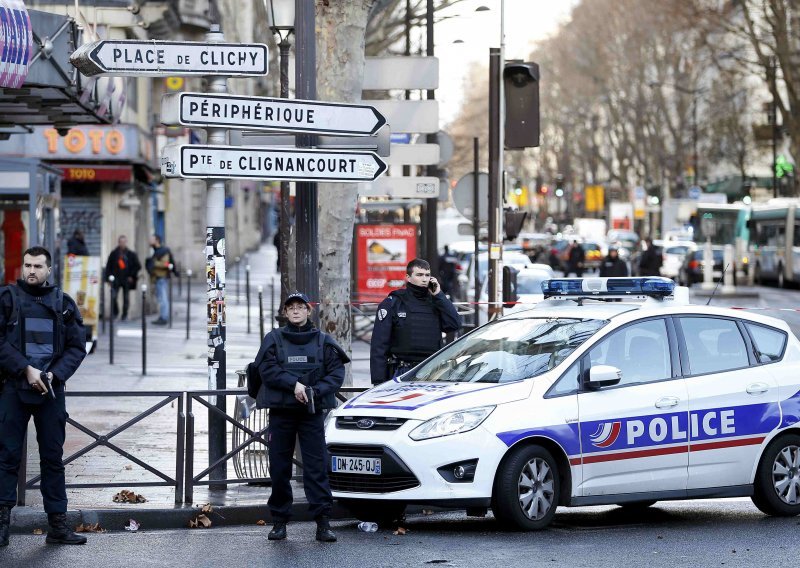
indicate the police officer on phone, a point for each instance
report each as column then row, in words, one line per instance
column 41, row 346
column 409, row 324
column 301, row 368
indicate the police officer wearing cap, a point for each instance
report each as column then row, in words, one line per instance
column 409, row 324
column 301, row 368
column 41, row 346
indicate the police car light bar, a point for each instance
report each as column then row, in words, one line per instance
column 654, row 287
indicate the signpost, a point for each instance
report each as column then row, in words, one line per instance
column 262, row 113
column 230, row 162
column 168, row 58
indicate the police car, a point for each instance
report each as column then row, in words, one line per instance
column 582, row 401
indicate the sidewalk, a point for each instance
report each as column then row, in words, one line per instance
column 174, row 364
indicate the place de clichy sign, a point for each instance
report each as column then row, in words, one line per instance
column 293, row 164
column 167, row 58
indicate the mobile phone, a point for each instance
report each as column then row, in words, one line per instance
column 431, row 285
column 312, row 409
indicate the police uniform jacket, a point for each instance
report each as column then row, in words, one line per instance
column 409, row 326
column 613, row 267
column 298, row 359
column 38, row 303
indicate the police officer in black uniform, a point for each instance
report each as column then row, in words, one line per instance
column 613, row 265
column 409, row 324
column 301, row 369
column 41, row 346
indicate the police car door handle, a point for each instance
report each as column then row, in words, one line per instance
column 667, row 402
column 757, row 388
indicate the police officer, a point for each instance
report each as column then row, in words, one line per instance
column 409, row 324
column 301, row 369
column 613, row 265
column 41, row 346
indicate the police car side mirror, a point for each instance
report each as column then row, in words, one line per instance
column 603, row 376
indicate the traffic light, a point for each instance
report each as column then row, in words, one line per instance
column 559, row 186
column 521, row 87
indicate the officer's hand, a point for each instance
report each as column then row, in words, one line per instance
column 300, row 392
column 433, row 286
column 32, row 374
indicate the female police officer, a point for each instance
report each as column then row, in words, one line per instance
column 301, row 369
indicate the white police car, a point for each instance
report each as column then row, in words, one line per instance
column 581, row 401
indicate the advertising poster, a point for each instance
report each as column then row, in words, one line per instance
column 382, row 253
column 82, row 283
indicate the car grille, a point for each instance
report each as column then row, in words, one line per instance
column 395, row 475
column 378, row 422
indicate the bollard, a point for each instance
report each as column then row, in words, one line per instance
column 169, row 294
column 247, row 293
column 180, row 284
column 272, row 304
column 728, row 271
column 188, row 298
column 261, row 311
column 238, row 258
column 103, row 304
column 144, row 331
column 111, row 327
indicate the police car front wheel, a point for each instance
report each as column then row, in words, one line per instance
column 777, row 483
column 526, row 489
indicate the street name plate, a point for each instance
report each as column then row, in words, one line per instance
column 262, row 113
column 402, row 187
column 170, row 58
column 295, row 164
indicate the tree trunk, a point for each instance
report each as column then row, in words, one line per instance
column 341, row 26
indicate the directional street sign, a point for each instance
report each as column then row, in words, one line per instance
column 231, row 162
column 261, row 113
column 170, row 58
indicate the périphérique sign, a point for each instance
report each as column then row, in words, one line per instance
column 293, row 164
column 169, row 58
column 262, row 113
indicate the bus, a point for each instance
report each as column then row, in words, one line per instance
column 725, row 224
column 775, row 241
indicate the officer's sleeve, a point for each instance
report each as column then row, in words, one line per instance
column 74, row 345
column 449, row 320
column 272, row 374
column 12, row 361
column 333, row 377
column 381, row 341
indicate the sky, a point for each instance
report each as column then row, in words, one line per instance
column 526, row 21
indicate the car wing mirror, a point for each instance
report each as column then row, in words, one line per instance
column 603, row 376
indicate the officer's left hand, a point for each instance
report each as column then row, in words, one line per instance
column 300, row 392
column 433, row 286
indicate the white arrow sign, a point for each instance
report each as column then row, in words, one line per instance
column 167, row 58
column 196, row 161
column 261, row 113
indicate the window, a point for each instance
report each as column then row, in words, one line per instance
column 640, row 351
column 568, row 383
column 713, row 344
column 769, row 342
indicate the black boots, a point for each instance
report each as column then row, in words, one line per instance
column 278, row 531
column 324, row 532
column 5, row 523
column 59, row 533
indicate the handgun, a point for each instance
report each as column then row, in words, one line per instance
column 45, row 377
column 312, row 409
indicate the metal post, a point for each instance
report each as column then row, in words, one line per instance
column 306, row 202
column 285, row 221
column 272, row 304
column 103, row 303
column 111, row 329
column 696, row 156
column 495, row 196
column 247, row 293
column 169, row 294
column 144, row 331
column 188, row 299
column 431, row 205
column 476, row 219
column 238, row 281
column 772, row 76
column 215, row 293
column 261, row 311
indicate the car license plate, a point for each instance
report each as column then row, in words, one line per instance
column 366, row 466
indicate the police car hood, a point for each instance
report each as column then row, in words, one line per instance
column 423, row 400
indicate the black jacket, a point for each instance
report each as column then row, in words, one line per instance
column 121, row 275
column 650, row 263
column 613, row 267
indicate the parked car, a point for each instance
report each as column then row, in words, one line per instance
column 691, row 271
column 673, row 254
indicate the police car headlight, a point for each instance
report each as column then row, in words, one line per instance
column 451, row 423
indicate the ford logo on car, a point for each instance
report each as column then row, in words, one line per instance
column 365, row 423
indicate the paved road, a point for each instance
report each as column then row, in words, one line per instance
column 700, row 533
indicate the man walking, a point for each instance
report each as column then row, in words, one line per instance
column 159, row 267
column 41, row 346
column 301, row 368
column 650, row 260
column 409, row 324
column 124, row 266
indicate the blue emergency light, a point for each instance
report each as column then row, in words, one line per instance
column 654, row 286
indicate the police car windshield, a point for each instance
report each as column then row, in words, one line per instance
column 508, row 350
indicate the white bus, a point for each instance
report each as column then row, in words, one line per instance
column 775, row 241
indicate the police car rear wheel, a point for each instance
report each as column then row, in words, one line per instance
column 526, row 489
column 777, row 484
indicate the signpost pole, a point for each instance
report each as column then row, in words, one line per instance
column 495, row 195
column 476, row 226
column 286, row 210
column 215, row 278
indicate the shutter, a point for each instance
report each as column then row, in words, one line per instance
column 80, row 209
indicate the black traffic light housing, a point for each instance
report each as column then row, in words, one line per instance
column 512, row 222
column 521, row 88
column 510, row 295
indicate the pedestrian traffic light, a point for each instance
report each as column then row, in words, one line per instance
column 521, row 87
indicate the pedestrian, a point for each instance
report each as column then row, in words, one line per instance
column 301, row 368
column 575, row 259
column 650, row 260
column 124, row 266
column 159, row 266
column 409, row 324
column 77, row 245
column 613, row 265
column 41, row 346
column 276, row 242
column 447, row 271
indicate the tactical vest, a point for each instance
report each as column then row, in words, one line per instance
column 300, row 358
column 416, row 331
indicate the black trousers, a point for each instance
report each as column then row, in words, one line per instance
column 125, row 299
column 285, row 427
column 50, row 418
